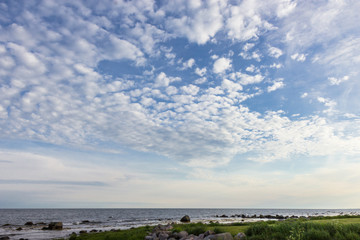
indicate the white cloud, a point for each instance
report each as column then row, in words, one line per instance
column 188, row 64
column 246, row 79
column 276, row 85
column 275, row 52
column 163, row 81
column 254, row 55
column 304, row 95
column 197, row 24
column 200, row 80
column 200, row 71
column 278, row 65
column 330, row 104
column 221, row 65
column 171, row 90
column 285, row 8
column 248, row 46
column 298, row 57
column 251, row 68
column 231, row 86
column 337, row 81
column 190, row 89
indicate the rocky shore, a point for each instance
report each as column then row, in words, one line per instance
column 164, row 232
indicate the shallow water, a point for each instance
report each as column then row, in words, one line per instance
column 107, row 219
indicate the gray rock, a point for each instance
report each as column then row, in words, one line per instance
column 182, row 234
column 163, row 236
column 185, row 219
column 209, row 232
column 240, row 236
column 220, row 236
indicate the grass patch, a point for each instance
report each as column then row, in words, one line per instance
column 327, row 228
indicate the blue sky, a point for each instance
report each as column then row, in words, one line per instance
column 180, row 104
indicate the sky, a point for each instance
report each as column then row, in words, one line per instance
column 179, row 104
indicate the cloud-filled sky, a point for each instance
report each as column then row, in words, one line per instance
column 182, row 103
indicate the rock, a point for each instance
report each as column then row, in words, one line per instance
column 4, row 238
column 220, row 236
column 85, row 222
column 185, row 219
column 240, row 236
column 29, row 224
column 224, row 216
column 94, row 231
column 163, row 236
column 182, row 234
column 83, row 231
column 209, row 232
column 19, row 229
column 55, row 226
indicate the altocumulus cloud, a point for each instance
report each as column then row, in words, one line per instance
column 56, row 86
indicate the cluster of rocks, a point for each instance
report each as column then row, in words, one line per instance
column 278, row 217
column 163, row 232
column 50, row 226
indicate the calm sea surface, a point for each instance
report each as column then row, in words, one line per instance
column 75, row 220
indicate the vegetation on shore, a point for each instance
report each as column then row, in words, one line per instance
column 315, row 228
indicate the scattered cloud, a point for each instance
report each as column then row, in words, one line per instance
column 221, row 65
column 298, row 57
column 275, row 52
column 99, row 74
column 276, row 85
column 337, row 81
column 201, row 72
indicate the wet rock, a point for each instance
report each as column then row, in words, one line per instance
column 6, row 225
column 224, row 216
column 185, row 219
column 29, row 224
column 94, row 231
column 83, row 231
column 85, row 222
column 55, row 226
column 240, row 236
column 19, row 229
column 4, row 238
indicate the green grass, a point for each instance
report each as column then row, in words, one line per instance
column 319, row 228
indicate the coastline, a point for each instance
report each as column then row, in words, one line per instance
column 35, row 230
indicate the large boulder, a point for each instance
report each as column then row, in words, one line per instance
column 220, row 236
column 185, row 219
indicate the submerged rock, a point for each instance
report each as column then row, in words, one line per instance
column 29, row 224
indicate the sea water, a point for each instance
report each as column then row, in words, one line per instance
column 75, row 220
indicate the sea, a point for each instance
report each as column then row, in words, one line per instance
column 12, row 221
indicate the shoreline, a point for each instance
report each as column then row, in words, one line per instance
column 35, row 230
